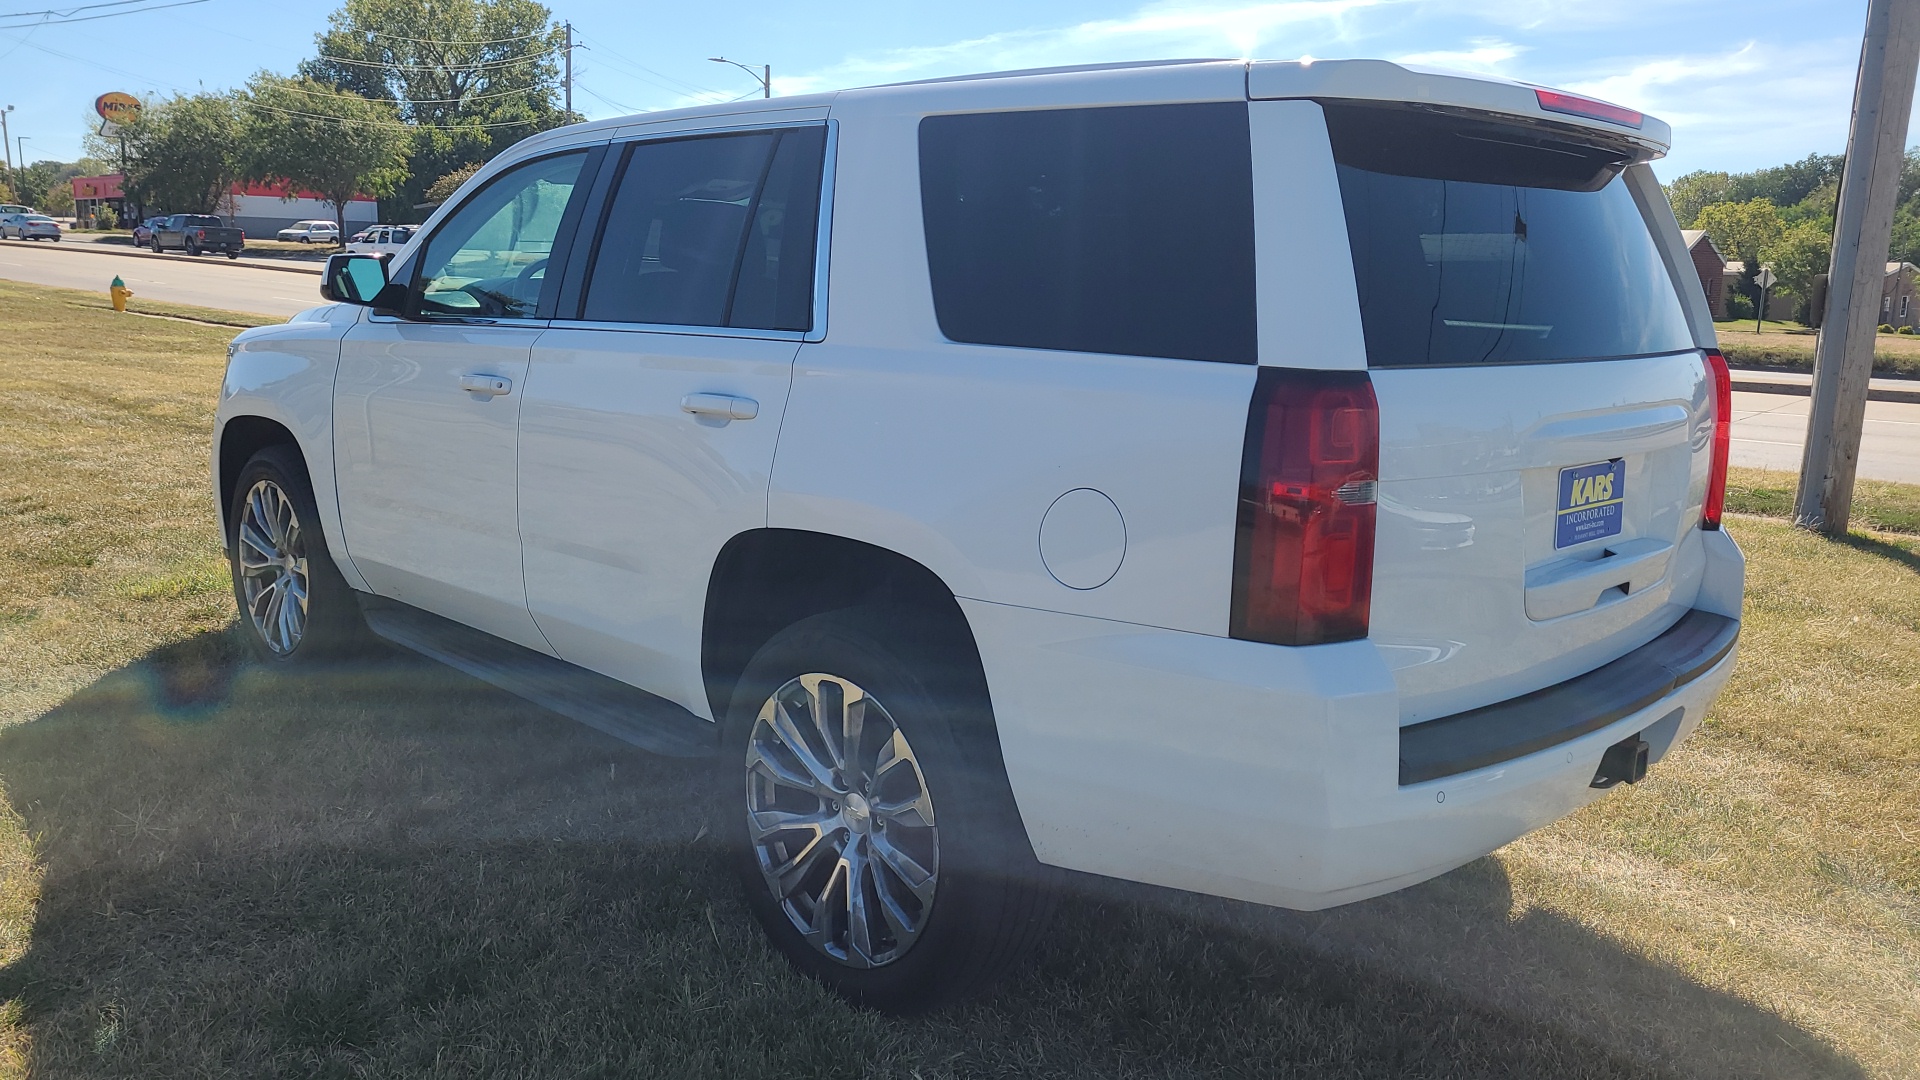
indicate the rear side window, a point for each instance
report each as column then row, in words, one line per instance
column 1477, row 243
column 715, row 231
column 1117, row 230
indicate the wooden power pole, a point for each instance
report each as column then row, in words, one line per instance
column 568, row 80
column 1863, row 228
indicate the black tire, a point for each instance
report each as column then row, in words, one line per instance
column 306, row 239
column 233, row 254
column 991, row 899
column 193, row 249
column 334, row 627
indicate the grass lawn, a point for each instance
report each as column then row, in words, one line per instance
column 1790, row 345
column 392, row 870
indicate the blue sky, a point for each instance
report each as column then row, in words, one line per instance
column 1744, row 85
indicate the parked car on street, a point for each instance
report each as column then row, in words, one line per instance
column 29, row 227
column 381, row 239
column 15, row 208
column 196, row 233
column 310, row 232
column 1283, row 481
column 143, row 232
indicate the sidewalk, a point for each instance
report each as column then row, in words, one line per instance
column 101, row 244
column 1776, row 381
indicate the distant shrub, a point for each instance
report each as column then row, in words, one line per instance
column 105, row 218
column 1904, row 330
column 1739, row 307
column 1886, row 328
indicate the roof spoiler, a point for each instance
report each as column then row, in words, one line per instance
column 1387, row 82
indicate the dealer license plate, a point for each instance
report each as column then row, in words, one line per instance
column 1592, row 502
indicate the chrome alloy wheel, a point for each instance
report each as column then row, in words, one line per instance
column 841, row 821
column 273, row 567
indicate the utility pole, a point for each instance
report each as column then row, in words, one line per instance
column 568, row 80
column 6, row 142
column 1863, row 228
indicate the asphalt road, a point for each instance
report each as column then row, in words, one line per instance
column 210, row 281
column 1770, row 429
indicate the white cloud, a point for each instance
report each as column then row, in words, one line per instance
column 1748, row 107
column 1490, row 55
column 1155, row 31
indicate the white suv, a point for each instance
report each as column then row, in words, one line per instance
column 308, row 232
column 1282, row 481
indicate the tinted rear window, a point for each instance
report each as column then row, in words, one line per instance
column 201, row 221
column 1482, row 244
column 1119, row 230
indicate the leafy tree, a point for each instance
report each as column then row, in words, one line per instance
column 58, row 199
column 6, row 192
column 1784, row 185
column 1694, row 192
column 1799, row 254
column 184, row 154
column 471, row 77
column 442, row 189
column 1741, row 230
column 329, row 141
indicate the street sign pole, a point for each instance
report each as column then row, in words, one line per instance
column 1863, row 228
column 1765, row 280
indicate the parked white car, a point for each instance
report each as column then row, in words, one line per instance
column 380, row 240
column 1211, row 474
column 29, row 227
column 310, row 232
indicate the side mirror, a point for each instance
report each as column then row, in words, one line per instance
column 357, row 279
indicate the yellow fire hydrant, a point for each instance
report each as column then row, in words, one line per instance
column 119, row 291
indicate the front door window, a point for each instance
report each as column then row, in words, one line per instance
column 489, row 260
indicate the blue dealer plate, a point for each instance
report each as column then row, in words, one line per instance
column 1592, row 502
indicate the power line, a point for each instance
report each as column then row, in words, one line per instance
column 605, row 100
column 435, row 41
column 91, row 18
column 70, row 11
column 475, row 66
column 418, row 101
column 684, row 85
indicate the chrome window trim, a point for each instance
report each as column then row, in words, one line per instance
column 674, row 328
column 822, row 243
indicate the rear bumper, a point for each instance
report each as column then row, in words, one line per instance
column 1270, row 774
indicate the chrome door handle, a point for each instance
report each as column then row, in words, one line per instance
column 725, row 406
column 486, row 385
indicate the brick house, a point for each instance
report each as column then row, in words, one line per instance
column 1898, row 307
column 1712, row 268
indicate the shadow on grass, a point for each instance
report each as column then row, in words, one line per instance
column 1899, row 553
column 392, row 870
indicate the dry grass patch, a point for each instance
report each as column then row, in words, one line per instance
column 388, row 869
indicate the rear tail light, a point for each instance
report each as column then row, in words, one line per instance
column 1722, row 380
column 199, row 234
column 1303, row 555
column 1575, row 105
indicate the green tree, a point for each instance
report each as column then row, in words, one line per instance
column 472, row 77
column 183, row 154
column 442, row 189
column 1799, row 254
column 1742, row 230
column 318, row 138
column 6, row 192
column 1694, row 192
column 58, row 199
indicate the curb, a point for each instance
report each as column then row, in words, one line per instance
column 92, row 248
column 1874, row 393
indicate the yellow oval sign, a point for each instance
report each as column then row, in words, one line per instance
column 117, row 107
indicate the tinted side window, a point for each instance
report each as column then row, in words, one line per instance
column 1117, row 230
column 775, row 289
column 713, row 231
column 489, row 259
